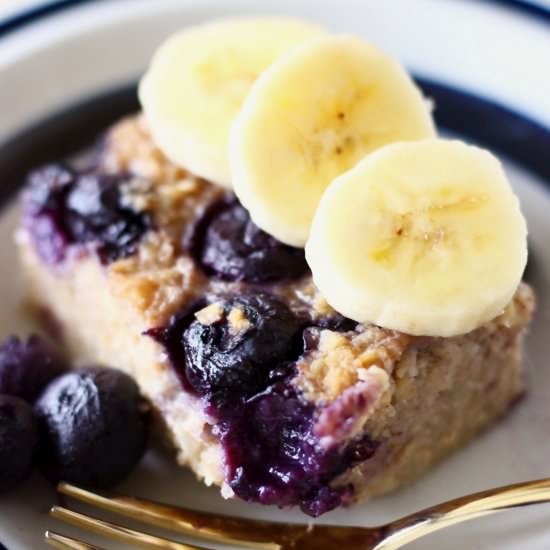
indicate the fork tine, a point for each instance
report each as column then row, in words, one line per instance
column 63, row 542
column 118, row 532
column 244, row 533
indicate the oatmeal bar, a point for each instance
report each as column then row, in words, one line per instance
column 260, row 386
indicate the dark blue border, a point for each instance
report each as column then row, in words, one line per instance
column 33, row 14
column 491, row 124
column 527, row 8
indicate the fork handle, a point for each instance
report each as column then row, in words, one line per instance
column 419, row 524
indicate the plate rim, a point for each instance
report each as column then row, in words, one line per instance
column 51, row 7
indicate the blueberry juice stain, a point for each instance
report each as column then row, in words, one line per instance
column 265, row 426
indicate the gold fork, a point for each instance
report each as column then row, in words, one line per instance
column 264, row 535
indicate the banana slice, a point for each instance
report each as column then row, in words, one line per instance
column 310, row 117
column 426, row 238
column 198, row 79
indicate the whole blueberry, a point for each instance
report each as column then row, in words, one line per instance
column 234, row 354
column 64, row 207
column 27, row 367
column 236, row 249
column 18, row 439
column 95, row 213
column 91, row 426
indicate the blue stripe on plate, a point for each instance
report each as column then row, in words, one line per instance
column 33, row 14
column 493, row 125
column 528, row 8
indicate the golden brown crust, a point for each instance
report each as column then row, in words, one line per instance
column 129, row 148
column 342, row 359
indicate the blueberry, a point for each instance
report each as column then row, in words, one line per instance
column 223, row 359
column 92, row 431
column 27, row 367
column 273, row 456
column 95, row 213
column 236, row 249
column 18, row 438
column 63, row 207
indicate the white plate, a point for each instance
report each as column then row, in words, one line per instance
column 489, row 49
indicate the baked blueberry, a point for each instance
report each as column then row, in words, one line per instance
column 18, row 438
column 236, row 249
column 91, row 426
column 27, row 367
column 64, row 207
column 272, row 455
column 233, row 355
column 95, row 213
